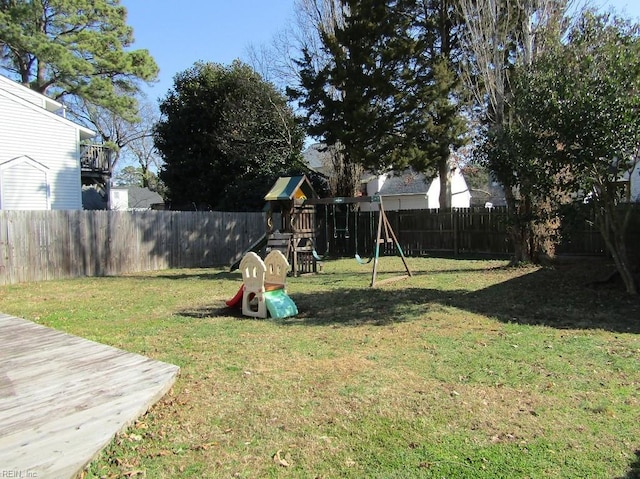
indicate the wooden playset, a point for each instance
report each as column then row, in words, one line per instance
column 292, row 231
column 291, row 226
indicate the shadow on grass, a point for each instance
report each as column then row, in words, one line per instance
column 198, row 275
column 558, row 297
column 532, row 299
column 546, row 298
column 212, row 312
column 634, row 470
column 554, row 298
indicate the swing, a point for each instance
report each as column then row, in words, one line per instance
column 326, row 233
column 344, row 230
column 383, row 222
column 357, row 256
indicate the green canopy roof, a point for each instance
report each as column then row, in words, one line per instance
column 291, row 187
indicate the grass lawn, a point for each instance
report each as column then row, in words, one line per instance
column 467, row 369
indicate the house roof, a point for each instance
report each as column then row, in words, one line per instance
column 291, row 187
column 37, row 102
column 30, row 95
column 141, row 198
column 318, row 157
column 493, row 194
column 314, row 156
column 407, row 183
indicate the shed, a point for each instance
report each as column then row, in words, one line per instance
column 134, row 198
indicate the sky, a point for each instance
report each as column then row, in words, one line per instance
column 179, row 33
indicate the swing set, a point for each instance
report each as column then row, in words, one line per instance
column 384, row 235
column 336, row 229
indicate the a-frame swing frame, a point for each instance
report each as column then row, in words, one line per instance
column 389, row 236
column 383, row 226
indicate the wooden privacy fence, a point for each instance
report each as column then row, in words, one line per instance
column 455, row 232
column 419, row 232
column 42, row 245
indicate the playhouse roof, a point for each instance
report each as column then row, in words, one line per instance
column 291, row 187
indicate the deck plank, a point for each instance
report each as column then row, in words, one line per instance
column 64, row 398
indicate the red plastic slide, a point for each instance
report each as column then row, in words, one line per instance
column 236, row 301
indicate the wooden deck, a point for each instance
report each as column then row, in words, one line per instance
column 63, row 398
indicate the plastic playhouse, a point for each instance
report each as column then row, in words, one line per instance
column 263, row 287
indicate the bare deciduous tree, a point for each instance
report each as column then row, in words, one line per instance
column 124, row 137
column 500, row 34
column 278, row 64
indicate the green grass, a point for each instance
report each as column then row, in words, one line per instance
column 467, row 369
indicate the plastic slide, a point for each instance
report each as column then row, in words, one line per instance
column 236, row 301
column 279, row 304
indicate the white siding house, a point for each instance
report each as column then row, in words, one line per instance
column 413, row 191
column 39, row 152
column 460, row 193
column 633, row 177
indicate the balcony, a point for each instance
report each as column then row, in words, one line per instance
column 96, row 159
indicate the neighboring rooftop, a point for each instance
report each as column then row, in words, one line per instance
column 407, row 183
column 141, row 198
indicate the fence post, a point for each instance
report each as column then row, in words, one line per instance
column 454, row 220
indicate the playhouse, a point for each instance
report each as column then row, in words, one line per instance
column 263, row 292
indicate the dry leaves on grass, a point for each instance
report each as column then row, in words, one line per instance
column 278, row 459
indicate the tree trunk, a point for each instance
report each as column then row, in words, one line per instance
column 519, row 231
column 145, row 175
column 445, row 185
column 613, row 230
column 346, row 177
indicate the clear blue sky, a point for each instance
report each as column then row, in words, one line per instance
column 180, row 32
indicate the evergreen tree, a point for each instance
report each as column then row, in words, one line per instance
column 349, row 102
column 431, row 89
column 74, row 47
column 388, row 97
column 225, row 136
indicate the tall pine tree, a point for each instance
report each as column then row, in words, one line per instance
column 434, row 105
column 79, row 48
column 388, row 96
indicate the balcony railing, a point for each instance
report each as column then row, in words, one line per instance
column 96, row 158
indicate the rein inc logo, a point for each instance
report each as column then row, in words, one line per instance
column 17, row 473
